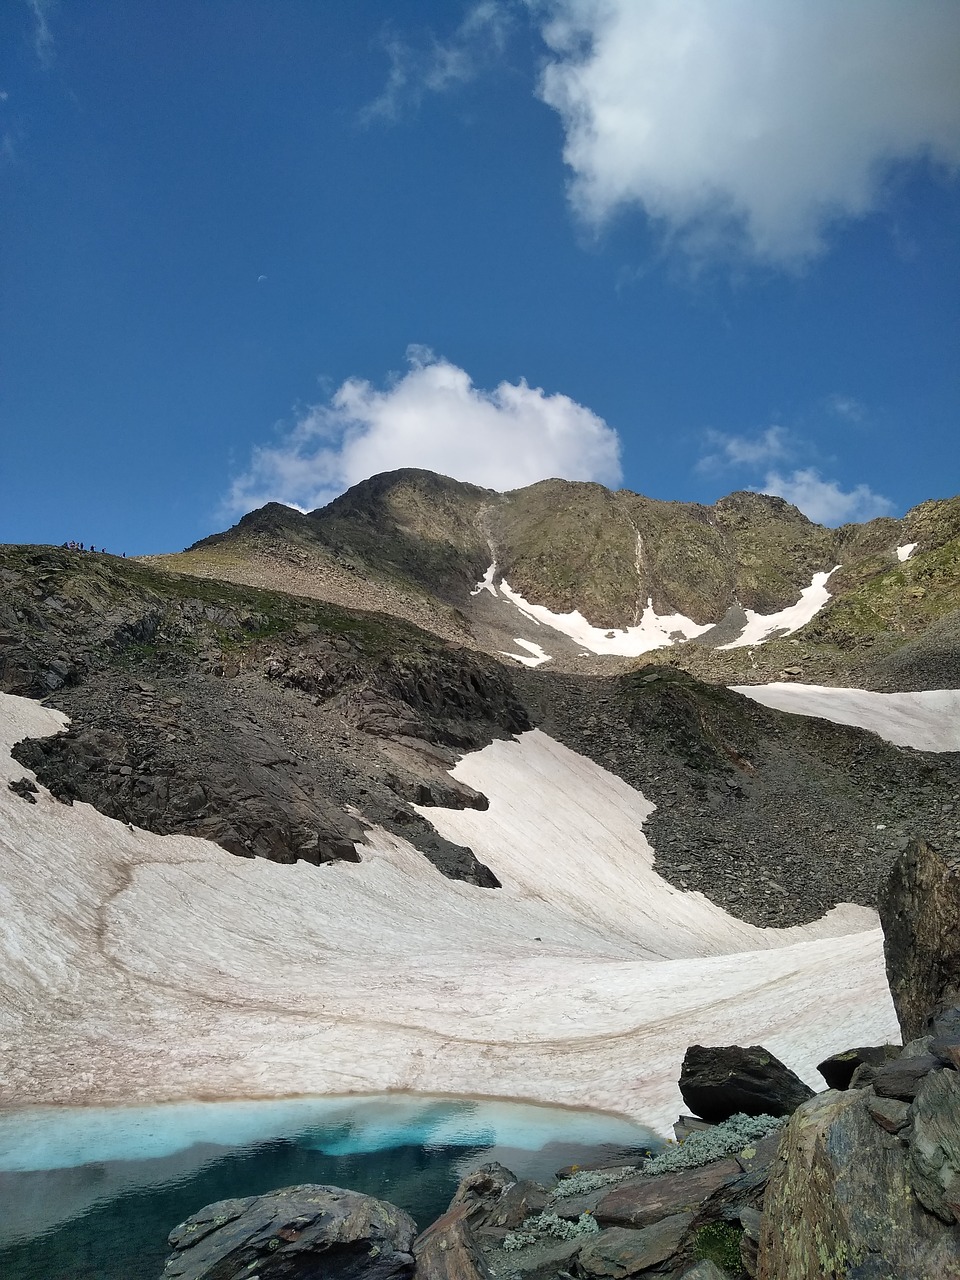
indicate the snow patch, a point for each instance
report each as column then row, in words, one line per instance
column 659, row 631
column 536, row 656
column 580, row 982
column 928, row 721
column 906, row 551
column 761, row 626
column 652, row 632
column 486, row 582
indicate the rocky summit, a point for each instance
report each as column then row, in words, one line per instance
column 562, row 794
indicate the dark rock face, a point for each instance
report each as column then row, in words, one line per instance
column 838, row 1070
column 935, row 1145
column 902, row 1077
column 298, row 1233
column 718, row 1082
column 920, row 915
column 846, row 1194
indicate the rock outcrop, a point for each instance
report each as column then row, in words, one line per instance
column 920, row 914
column 866, row 1183
column 297, row 1233
column 849, row 1198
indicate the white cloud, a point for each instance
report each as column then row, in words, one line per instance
column 823, row 500
column 749, row 124
column 480, row 37
column 42, row 35
column 846, row 407
column 432, row 417
column 739, row 451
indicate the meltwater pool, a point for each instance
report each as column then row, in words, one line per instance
column 91, row 1193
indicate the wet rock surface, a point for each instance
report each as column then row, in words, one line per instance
column 297, row 1233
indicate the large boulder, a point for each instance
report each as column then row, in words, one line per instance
column 841, row 1199
column 839, row 1069
column 493, row 1197
column 297, row 1233
column 718, row 1082
column 619, row 1252
column 643, row 1201
column 920, row 914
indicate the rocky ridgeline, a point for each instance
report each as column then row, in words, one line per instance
column 769, row 1181
column 250, row 718
column 407, row 537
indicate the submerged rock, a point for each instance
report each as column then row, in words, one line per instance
column 298, row 1233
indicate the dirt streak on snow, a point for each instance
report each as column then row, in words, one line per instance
column 928, row 721
column 136, row 967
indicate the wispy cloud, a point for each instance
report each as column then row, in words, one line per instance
column 442, row 65
column 728, row 451
column 432, row 417
column 748, row 127
column 42, row 34
column 847, row 408
column 823, row 500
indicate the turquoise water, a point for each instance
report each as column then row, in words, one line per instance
column 92, row 1193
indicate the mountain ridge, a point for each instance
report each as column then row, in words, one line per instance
column 415, row 544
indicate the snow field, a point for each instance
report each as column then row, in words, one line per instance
column 928, row 721
column 136, row 968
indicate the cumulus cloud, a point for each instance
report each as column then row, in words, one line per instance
column 443, row 65
column 738, row 451
column 432, row 417
column 751, row 124
column 823, row 500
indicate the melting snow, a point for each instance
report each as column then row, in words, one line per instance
column 658, row 631
column 761, row 626
column 538, row 656
column 652, row 632
column 486, row 582
column 138, row 967
column 906, row 551
column 928, row 721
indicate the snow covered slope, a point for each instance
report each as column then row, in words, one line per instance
column 135, row 967
column 658, row 631
column 928, row 721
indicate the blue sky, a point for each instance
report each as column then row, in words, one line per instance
column 259, row 250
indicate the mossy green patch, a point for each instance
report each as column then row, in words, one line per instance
column 719, row 1242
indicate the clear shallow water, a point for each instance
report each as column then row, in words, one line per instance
column 92, row 1193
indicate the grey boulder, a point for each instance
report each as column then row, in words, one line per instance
column 297, row 1233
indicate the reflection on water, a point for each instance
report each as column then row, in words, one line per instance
column 92, row 1193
